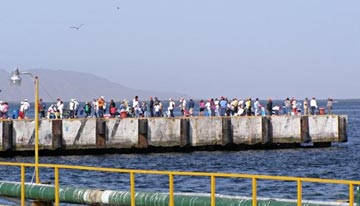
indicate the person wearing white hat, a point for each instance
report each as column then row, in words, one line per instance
column 72, row 107
column 24, row 107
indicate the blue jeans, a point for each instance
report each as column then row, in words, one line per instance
column 222, row 111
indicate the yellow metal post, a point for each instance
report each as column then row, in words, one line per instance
column 171, row 190
column 57, row 198
column 22, row 185
column 37, row 179
column 299, row 193
column 213, row 190
column 351, row 194
column 254, row 195
column 132, row 188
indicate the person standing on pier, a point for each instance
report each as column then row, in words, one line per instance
column 182, row 106
column 72, row 108
column 306, row 106
column 217, row 107
column 151, row 107
column 213, row 107
column 42, row 107
column 4, row 108
column 329, row 105
column 171, row 108
column 287, row 105
column 223, row 106
column 24, row 107
column 248, row 107
column 157, row 109
column 60, row 108
column 191, row 107
column 208, row 108
column 234, row 106
column 313, row 105
column 101, row 105
column 87, row 109
column 257, row 107
column 95, row 109
column 144, row 109
column 201, row 107
column 136, row 106
column 269, row 107
column 112, row 108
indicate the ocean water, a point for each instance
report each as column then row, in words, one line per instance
column 340, row 161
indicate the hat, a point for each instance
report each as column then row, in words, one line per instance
column 26, row 100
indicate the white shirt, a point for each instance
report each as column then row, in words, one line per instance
column 313, row 103
column 183, row 104
column 171, row 104
column 157, row 107
column 60, row 106
column 135, row 103
column 208, row 106
column 24, row 106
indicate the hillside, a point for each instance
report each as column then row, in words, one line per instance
column 71, row 84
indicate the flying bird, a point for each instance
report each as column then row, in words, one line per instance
column 76, row 27
column 117, row 8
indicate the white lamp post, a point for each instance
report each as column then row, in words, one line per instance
column 15, row 79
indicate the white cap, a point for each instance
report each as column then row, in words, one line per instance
column 26, row 100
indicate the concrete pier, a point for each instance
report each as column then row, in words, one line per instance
column 158, row 133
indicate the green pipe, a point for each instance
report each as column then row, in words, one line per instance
column 42, row 192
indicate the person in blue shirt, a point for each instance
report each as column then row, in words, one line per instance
column 191, row 107
column 223, row 105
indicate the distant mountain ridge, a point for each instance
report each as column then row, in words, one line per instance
column 71, row 84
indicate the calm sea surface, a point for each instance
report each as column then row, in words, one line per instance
column 341, row 161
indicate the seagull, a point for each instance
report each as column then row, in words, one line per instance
column 118, row 8
column 76, row 27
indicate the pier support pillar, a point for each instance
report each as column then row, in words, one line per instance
column 304, row 132
column 57, row 134
column 7, row 135
column 143, row 133
column 184, row 132
column 227, row 132
column 267, row 130
column 100, row 133
column 342, row 129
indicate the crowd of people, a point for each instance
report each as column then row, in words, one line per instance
column 100, row 108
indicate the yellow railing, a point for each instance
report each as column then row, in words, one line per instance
column 171, row 174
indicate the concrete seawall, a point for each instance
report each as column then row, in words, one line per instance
column 158, row 133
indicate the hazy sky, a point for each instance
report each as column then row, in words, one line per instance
column 204, row 48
